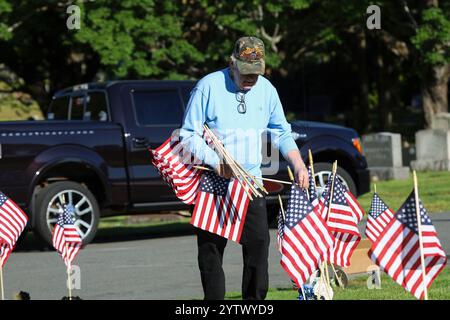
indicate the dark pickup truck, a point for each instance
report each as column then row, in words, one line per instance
column 92, row 152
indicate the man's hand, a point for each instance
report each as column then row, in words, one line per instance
column 301, row 176
column 224, row 171
column 300, row 171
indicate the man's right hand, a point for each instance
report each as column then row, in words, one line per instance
column 224, row 171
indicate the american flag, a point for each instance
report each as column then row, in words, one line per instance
column 12, row 222
column 176, row 167
column 344, row 216
column 66, row 238
column 220, row 206
column 397, row 249
column 379, row 217
column 345, row 212
column 280, row 233
column 306, row 238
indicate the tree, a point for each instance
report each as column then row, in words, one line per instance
column 419, row 32
column 37, row 47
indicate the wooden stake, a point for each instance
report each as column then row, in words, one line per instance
column 1, row 278
column 68, row 276
column 228, row 159
column 329, row 209
column 290, row 174
column 337, row 277
column 375, row 188
column 238, row 175
column 419, row 229
column 311, row 163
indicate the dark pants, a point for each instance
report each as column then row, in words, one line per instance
column 255, row 250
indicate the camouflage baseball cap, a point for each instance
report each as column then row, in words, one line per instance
column 249, row 54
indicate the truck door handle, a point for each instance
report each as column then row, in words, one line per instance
column 140, row 142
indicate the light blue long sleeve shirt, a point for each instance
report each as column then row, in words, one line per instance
column 214, row 101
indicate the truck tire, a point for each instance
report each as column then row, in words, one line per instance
column 323, row 169
column 48, row 206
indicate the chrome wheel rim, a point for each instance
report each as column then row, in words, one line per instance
column 322, row 179
column 83, row 210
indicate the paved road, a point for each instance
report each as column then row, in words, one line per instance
column 158, row 268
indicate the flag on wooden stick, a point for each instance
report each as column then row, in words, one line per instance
column 12, row 223
column 342, row 214
column 66, row 239
column 378, row 218
column 397, row 249
column 305, row 240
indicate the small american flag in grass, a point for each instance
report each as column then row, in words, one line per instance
column 379, row 217
column 397, row 249
column 66, row 238
column 12, row 222
column 305, row 240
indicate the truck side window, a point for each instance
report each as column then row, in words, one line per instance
column 76, row 112
column 96, row 107
column 158, row 107
column 59, row 109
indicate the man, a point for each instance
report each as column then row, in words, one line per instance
column 238, row 104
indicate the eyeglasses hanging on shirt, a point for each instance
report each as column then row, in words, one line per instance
column 241, row 107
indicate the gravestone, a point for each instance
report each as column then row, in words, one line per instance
column 433, row 150
column 433, row 145
column 383, row 153
column 441, row 121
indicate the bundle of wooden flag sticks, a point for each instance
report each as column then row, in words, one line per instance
column 246, row 180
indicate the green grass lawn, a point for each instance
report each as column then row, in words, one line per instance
column 118, row 227
column 434, row 191
column 357, row 290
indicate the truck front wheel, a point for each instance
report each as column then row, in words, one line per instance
column 49, row 204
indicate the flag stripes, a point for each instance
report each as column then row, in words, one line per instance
column 12, row 223
column 176, row 167
column 221, row 206
column 397, row 249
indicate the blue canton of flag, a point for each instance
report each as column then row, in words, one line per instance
column 377, row 207
column 298, row 207
column 280, row 233
column 212, row 183
column 408, row 216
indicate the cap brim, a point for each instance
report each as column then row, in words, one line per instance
column 257, row 67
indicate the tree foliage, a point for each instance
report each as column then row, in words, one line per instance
column 180, row 39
